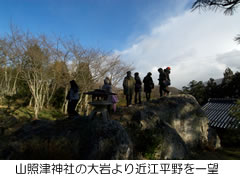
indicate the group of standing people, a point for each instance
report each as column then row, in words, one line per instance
column 133, row 85
column 73, row 97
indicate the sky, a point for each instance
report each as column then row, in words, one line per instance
column 145, row 33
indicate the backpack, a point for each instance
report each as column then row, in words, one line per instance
column 166, row 82
column 114, row 99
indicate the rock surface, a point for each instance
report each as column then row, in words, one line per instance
column 166, row 128
column 69, row 139
column 185, row 126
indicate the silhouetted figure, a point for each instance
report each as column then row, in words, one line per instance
column 168, row 82
column 148, row 85
column 73, row 97
column 107, row 85
column 128, row 87
column 138, row 84
column 162, row 82
column 108, row 88
column 111, row 98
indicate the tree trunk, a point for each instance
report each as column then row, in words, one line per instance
column 36, row 109
column 30, row 103
column 65, row 103
column 86, row 105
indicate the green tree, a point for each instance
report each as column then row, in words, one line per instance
column 197, row 89
column 211, row 88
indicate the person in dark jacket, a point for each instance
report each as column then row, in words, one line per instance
column 138, row 84
column 168, row 82
column 72, row 97
column 162, row 82
column 107, row 85
column 148, row 85
column 129, row 87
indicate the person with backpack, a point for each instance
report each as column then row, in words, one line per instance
column 138, row 84
column 128, row 87
column 162, row 82
column 73, row 98
column 148, row 85
column 168, row 82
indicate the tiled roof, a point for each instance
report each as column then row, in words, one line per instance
column 218, row 113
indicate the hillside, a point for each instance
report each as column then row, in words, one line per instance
column 166, row 128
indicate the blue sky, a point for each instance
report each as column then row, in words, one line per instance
column 145, row 33
column 106, row 24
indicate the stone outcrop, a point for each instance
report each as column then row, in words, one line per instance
column 69, row 139
column 185, row 126
column 166, row 128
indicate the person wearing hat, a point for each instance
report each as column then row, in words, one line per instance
column 162, row 82
column 129, row 87
column 148, row 85
column 138, row 84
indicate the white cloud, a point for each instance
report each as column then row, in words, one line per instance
column 195, row 45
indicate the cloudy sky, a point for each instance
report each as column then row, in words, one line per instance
column 196, row 45
column 146, row 33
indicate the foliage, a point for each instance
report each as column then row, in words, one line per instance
column 229, row 6
column 235, row 110
column 229, row 88
column 38, row 69
column 197, row 89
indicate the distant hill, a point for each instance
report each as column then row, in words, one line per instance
column 174, row 91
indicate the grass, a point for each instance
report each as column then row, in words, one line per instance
column 13, row 115
column 220, row 154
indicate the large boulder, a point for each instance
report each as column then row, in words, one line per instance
column 185, row 115
column 186, row 125
column 153, row 138
column 69, row 139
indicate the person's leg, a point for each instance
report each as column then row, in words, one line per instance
column 70, row 108
column 149, row 95
column 130, row 98
column 136, row 97
column 127, row 99
column 114, row 107
column 165, row 90
column 139, row 97
column 74, row 103
column 161, row 90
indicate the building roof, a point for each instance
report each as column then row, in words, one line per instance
column 218, row 113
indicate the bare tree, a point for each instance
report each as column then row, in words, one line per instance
column 35, row 66
column 46, row 65
column 10, row 60
column 228, row 6
column 116, row 69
